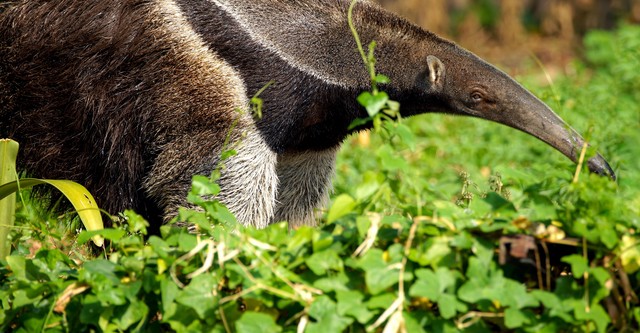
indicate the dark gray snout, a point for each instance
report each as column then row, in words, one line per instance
column 537, row 119
column 599, row 165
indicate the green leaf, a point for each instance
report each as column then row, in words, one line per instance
column 369, row 185
column 608, row 235
column 327, row 318
column 130, row 314
column 597, row 314
column 481, row 208
column 406, row 135
column 439, row 287
column 342, row 205
column 473, row 291
column 110, row 295
column 359, row 122
column 51, row 263
column 514, row 318
column 630, row 253
column 446, row 279
column 382, row 79
column 515, row 295
column 393, row 108
column 219, row 213
column 99, row 271
column 350, row 302
column 432, row 252
column 82, row 201
column 548, row 299
column 159, row 246
column 498, row 203
column 373, row 102
column 427, row 285
column 378, row 275
column 578, row 263
column 17, row 264
column 414, row 322
column 136, row 222
column 108, row 233
column 91, row 310
column 332, row 283
column 186, row 242
column 320, row 262
column 131, row 289
column 390, row 160
column 363, row 223
column 198, row 295
column 255, row 322
column 22, row 297
column 203, row 186
column 448, row 305
column 382, row 301
column 323, row 240
column 482, row 288
column 168, row 292
column 300, row 238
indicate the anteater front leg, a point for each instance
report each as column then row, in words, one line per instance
column 248, row 179
column 305, row 182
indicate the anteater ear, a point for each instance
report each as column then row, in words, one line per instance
column 436, row 72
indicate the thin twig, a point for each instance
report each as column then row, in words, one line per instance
column 583, row 152
column 224, row 320
column 614, row 301
column 236, row 296
column 295, row 317
column 302, row 324
column 386, row 314
column 268, row 288
column 185, row 257
column 547, row 263
column 536, row 253
column 629, row 294
column 370, row 238
column 295, row 287
column 585, row 275
column 208, row 262
column 473, row 317
column 396, row 306
column 356, row 37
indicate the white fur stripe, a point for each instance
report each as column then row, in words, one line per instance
column 252, row 27
column 249, row 181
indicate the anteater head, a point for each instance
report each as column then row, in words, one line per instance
column 431, row 74
column 466, row 85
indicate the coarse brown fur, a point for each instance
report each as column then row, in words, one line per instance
column 134, row 97
column 122, row 101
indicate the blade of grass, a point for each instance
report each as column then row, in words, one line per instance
column 8, row 155
column 82, row 201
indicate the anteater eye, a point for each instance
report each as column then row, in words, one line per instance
column 476, row 97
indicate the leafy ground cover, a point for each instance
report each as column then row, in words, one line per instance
column 438, row 224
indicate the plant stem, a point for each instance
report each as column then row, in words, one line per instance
column 8, row 156
column 356, row 37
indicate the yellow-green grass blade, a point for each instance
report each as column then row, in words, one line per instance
column 82, row 201
column 8, row 155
